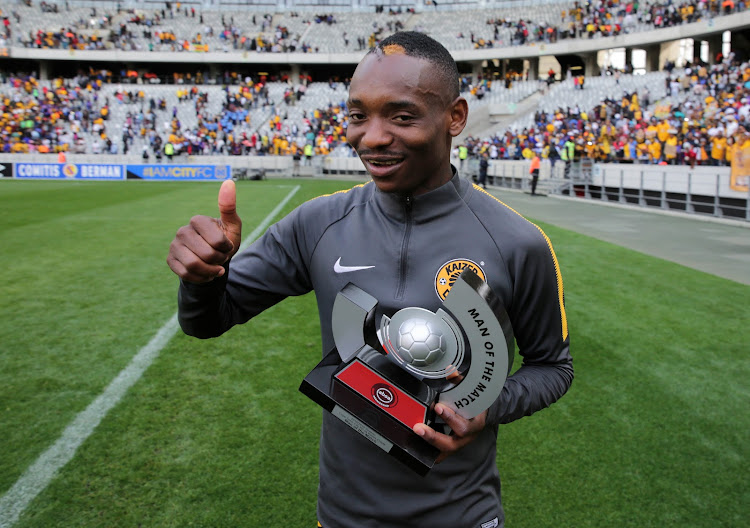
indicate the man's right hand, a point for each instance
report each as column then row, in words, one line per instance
column 200, row 249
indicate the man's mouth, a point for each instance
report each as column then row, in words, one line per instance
column 383, row 163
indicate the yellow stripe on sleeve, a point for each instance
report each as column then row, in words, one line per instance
column 560, row 294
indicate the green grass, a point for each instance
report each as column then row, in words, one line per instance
column 654, row 431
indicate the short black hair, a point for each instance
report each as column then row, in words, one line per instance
column 419, row 45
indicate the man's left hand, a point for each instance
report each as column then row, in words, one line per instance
column 464, row 431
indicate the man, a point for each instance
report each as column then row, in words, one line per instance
column 484, row 164
column 296, row 157
column 568, row 154
column 463, row 154
column 169, row 150
column 718, row 149
column 536, row 163
column 391, row 238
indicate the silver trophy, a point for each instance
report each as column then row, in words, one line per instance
column 383, row 377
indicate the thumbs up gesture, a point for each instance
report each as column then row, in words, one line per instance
column 201, row 248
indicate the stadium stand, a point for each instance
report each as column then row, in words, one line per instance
column 693, row 116
column 189, row 29
column 132, row 109
column 89, row 116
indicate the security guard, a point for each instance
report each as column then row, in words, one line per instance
column 463, row 153
column 169, row 150
column 568, row 154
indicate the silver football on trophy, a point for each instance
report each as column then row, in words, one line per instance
column 420, row 342
column 427, row 344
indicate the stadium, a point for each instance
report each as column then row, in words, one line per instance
column 120, row 119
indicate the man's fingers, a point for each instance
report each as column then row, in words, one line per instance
column 230, row 220
column 211, row 242
column 431, row 436
column 228, row 201
column 458, row 424
column 445, row 443
column 201, row 248
column 455, row 377
column 464, row 431
column 189, row 266
column 185, row 274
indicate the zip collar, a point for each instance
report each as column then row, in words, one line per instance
column 424, row 207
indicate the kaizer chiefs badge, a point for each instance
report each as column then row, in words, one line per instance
column 449, row 272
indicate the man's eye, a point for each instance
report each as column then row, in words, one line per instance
column 403, row 118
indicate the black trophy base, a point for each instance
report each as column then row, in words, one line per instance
column 377, row 407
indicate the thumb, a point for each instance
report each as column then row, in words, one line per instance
column 230, row 220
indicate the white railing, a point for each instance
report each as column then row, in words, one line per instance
column 702, row 190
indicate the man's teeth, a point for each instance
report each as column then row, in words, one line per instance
column 384, row 163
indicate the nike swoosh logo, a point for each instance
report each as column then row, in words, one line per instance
column 338, row 268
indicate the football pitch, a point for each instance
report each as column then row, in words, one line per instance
column 655, row 430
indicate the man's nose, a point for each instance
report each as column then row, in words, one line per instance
column 376, row 134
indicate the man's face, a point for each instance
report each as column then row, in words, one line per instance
column 401, row 121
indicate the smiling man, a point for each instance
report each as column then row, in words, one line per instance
column 403, row 239
column 404, row 109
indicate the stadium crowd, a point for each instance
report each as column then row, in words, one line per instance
column 35, row 118
column 73, row 115
column 605, row 18
column 177, row 28
column 705, row 115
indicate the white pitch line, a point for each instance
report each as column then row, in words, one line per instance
column 38, row 476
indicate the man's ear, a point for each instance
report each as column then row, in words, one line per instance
column 459, row 112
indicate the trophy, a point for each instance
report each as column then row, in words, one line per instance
column 384, row 377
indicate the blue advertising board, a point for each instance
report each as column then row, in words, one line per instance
column 179, row 172
column 73, row 171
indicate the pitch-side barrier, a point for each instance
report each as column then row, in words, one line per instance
column 702, row 190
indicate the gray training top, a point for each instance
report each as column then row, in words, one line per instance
column 413, row 248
